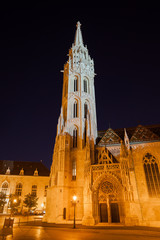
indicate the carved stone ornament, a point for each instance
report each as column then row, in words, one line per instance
column 106, row 187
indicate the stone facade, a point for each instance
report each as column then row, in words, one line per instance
column 20, row 181
column 115, row 174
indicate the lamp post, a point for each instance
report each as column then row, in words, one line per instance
column 74, row 205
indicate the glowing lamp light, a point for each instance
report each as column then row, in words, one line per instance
column 15, row 200
column 74, row 198
column 42, row 205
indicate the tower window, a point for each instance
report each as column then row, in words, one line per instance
column 75, row 84
column 74, row 169
column 75, row 138
column 75, row 109
column 19, row 189
column 85, row 85
column 152, row 175
column 85, row 110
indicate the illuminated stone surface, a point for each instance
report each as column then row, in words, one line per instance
column 108, row 174
column 35, row 233
column 20, row 181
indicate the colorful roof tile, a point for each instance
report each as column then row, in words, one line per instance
column 136, row 134
column 143, row 134
column 110, row 137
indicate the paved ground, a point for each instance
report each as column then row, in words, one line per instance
column 31, row 229
column 52, row 233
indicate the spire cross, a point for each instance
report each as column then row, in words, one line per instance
column 78, row 24
column 78, row 36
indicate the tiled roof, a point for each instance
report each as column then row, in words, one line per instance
column 110, row 137
column 28, row 167
column 136, row 134
column 143, row 134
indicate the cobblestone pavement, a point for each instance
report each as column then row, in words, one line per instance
column 46, row 233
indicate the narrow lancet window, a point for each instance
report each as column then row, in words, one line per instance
column 85, row 110
column 74, row 169
column 85, row 85
column 75, row 110
column 75, row 84
column 152, row 175
column 75, row 138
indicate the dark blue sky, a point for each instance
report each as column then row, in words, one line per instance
column 125, row 46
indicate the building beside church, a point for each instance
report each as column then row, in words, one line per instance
column 115, row 174
column 21, row 178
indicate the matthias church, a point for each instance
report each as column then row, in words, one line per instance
column 115, row 174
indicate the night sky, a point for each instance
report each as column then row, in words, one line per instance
column 125, row 46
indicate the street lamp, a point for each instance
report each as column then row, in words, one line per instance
column 74, row 204
column 15, row 200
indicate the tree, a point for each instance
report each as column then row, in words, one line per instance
column 2, row 201
column 30, row 201
column 14, row 203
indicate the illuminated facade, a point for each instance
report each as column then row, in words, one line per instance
column 115, row 174
column 21, row 178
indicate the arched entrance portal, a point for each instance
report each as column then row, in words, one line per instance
column 109, row 209
column 108, row 206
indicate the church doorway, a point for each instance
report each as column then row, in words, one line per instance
column 108, row 206
column 103, row 212
column 114, row 213
column 109, row 212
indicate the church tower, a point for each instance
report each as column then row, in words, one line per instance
column 75, row 140
column 78, row 97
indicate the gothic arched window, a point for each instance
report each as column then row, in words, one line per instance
column 85, row 85
column 5, row 187
column 75, row 84
column 74, row 169
column 19, row 189
column 152, row 175
column 75, row 138
column 85, row 110
column 75, row 109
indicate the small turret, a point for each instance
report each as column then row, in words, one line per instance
column 126, row 140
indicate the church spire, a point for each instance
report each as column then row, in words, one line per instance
column 78, row 36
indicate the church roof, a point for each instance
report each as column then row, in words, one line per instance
column 143, row 134
column 135, row 134
column 110, row 136
column 28, row 167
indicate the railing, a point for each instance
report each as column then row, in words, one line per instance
column 105, row 167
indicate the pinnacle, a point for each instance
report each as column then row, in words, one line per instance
column 78, row 36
